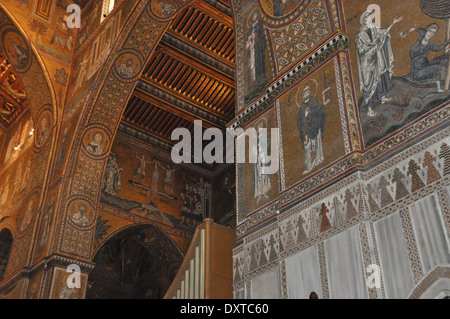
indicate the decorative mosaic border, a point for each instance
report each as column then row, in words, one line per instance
column 341, row 104
column 411, row 244
column 337, row 229
column 367, row 260
column 443, row 199
column 280, row 138
column 357, row 160
column 323, row 270
column 338, row 41
column 434, row 275
column 350, row 98
column 377, row 257
column 284, row 292
column 435, row 187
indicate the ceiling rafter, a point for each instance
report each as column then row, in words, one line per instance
column 189, row 76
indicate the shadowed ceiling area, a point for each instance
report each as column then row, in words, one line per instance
column 138, row 263
column 190, row 75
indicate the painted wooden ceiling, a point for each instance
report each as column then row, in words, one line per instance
column 190, row 75
column 13, row 98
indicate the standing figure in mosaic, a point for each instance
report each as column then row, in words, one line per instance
column 261, row 180
column 140, row 170
column 256, row 52
column 311, row 125
column 112, row 182
column 168, row 179
column 375, row 61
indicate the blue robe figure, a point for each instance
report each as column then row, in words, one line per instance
column 20, row 54
column 426, row 71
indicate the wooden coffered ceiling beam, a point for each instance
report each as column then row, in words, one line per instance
column 214, row 12
column 183, row 97
column 173, row 109
column 191, row 61
column 202, row 48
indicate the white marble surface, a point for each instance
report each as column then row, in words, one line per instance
column 346, row 276
column 303, row 274
column 430, row 234
column 266, row 286
column 395, row 265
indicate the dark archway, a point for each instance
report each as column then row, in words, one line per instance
column 139, row 262
column 6, row 240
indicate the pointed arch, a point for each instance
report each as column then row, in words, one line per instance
column 102, row 113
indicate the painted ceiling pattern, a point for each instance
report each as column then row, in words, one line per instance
column 189, row 76
column 13, row 98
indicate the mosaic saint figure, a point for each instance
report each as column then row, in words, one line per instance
column 261, row 181
column 424, row 70
column 311, row 125
column 140, row 170
column 126, row 69
column 155, row 178
column 95, row 146
column 80, row 216
column 168, row 179
column 61, row 36
column 256, row 52
column 27, row 217
column 375, row 61
column 46, row 227
column 42, row 137
column 112, row 183
column 20, row 53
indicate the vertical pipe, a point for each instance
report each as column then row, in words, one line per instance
column 197, row 273
column 182, row 290
column 186, row 285
column 202, row 264
column 191, row 279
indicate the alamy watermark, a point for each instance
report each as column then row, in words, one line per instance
column 74, row 279
column 74, row 19
column 263, row 147
column 374, row 279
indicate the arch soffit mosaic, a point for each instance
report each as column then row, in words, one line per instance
column 36, row 82
column 102, row 114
